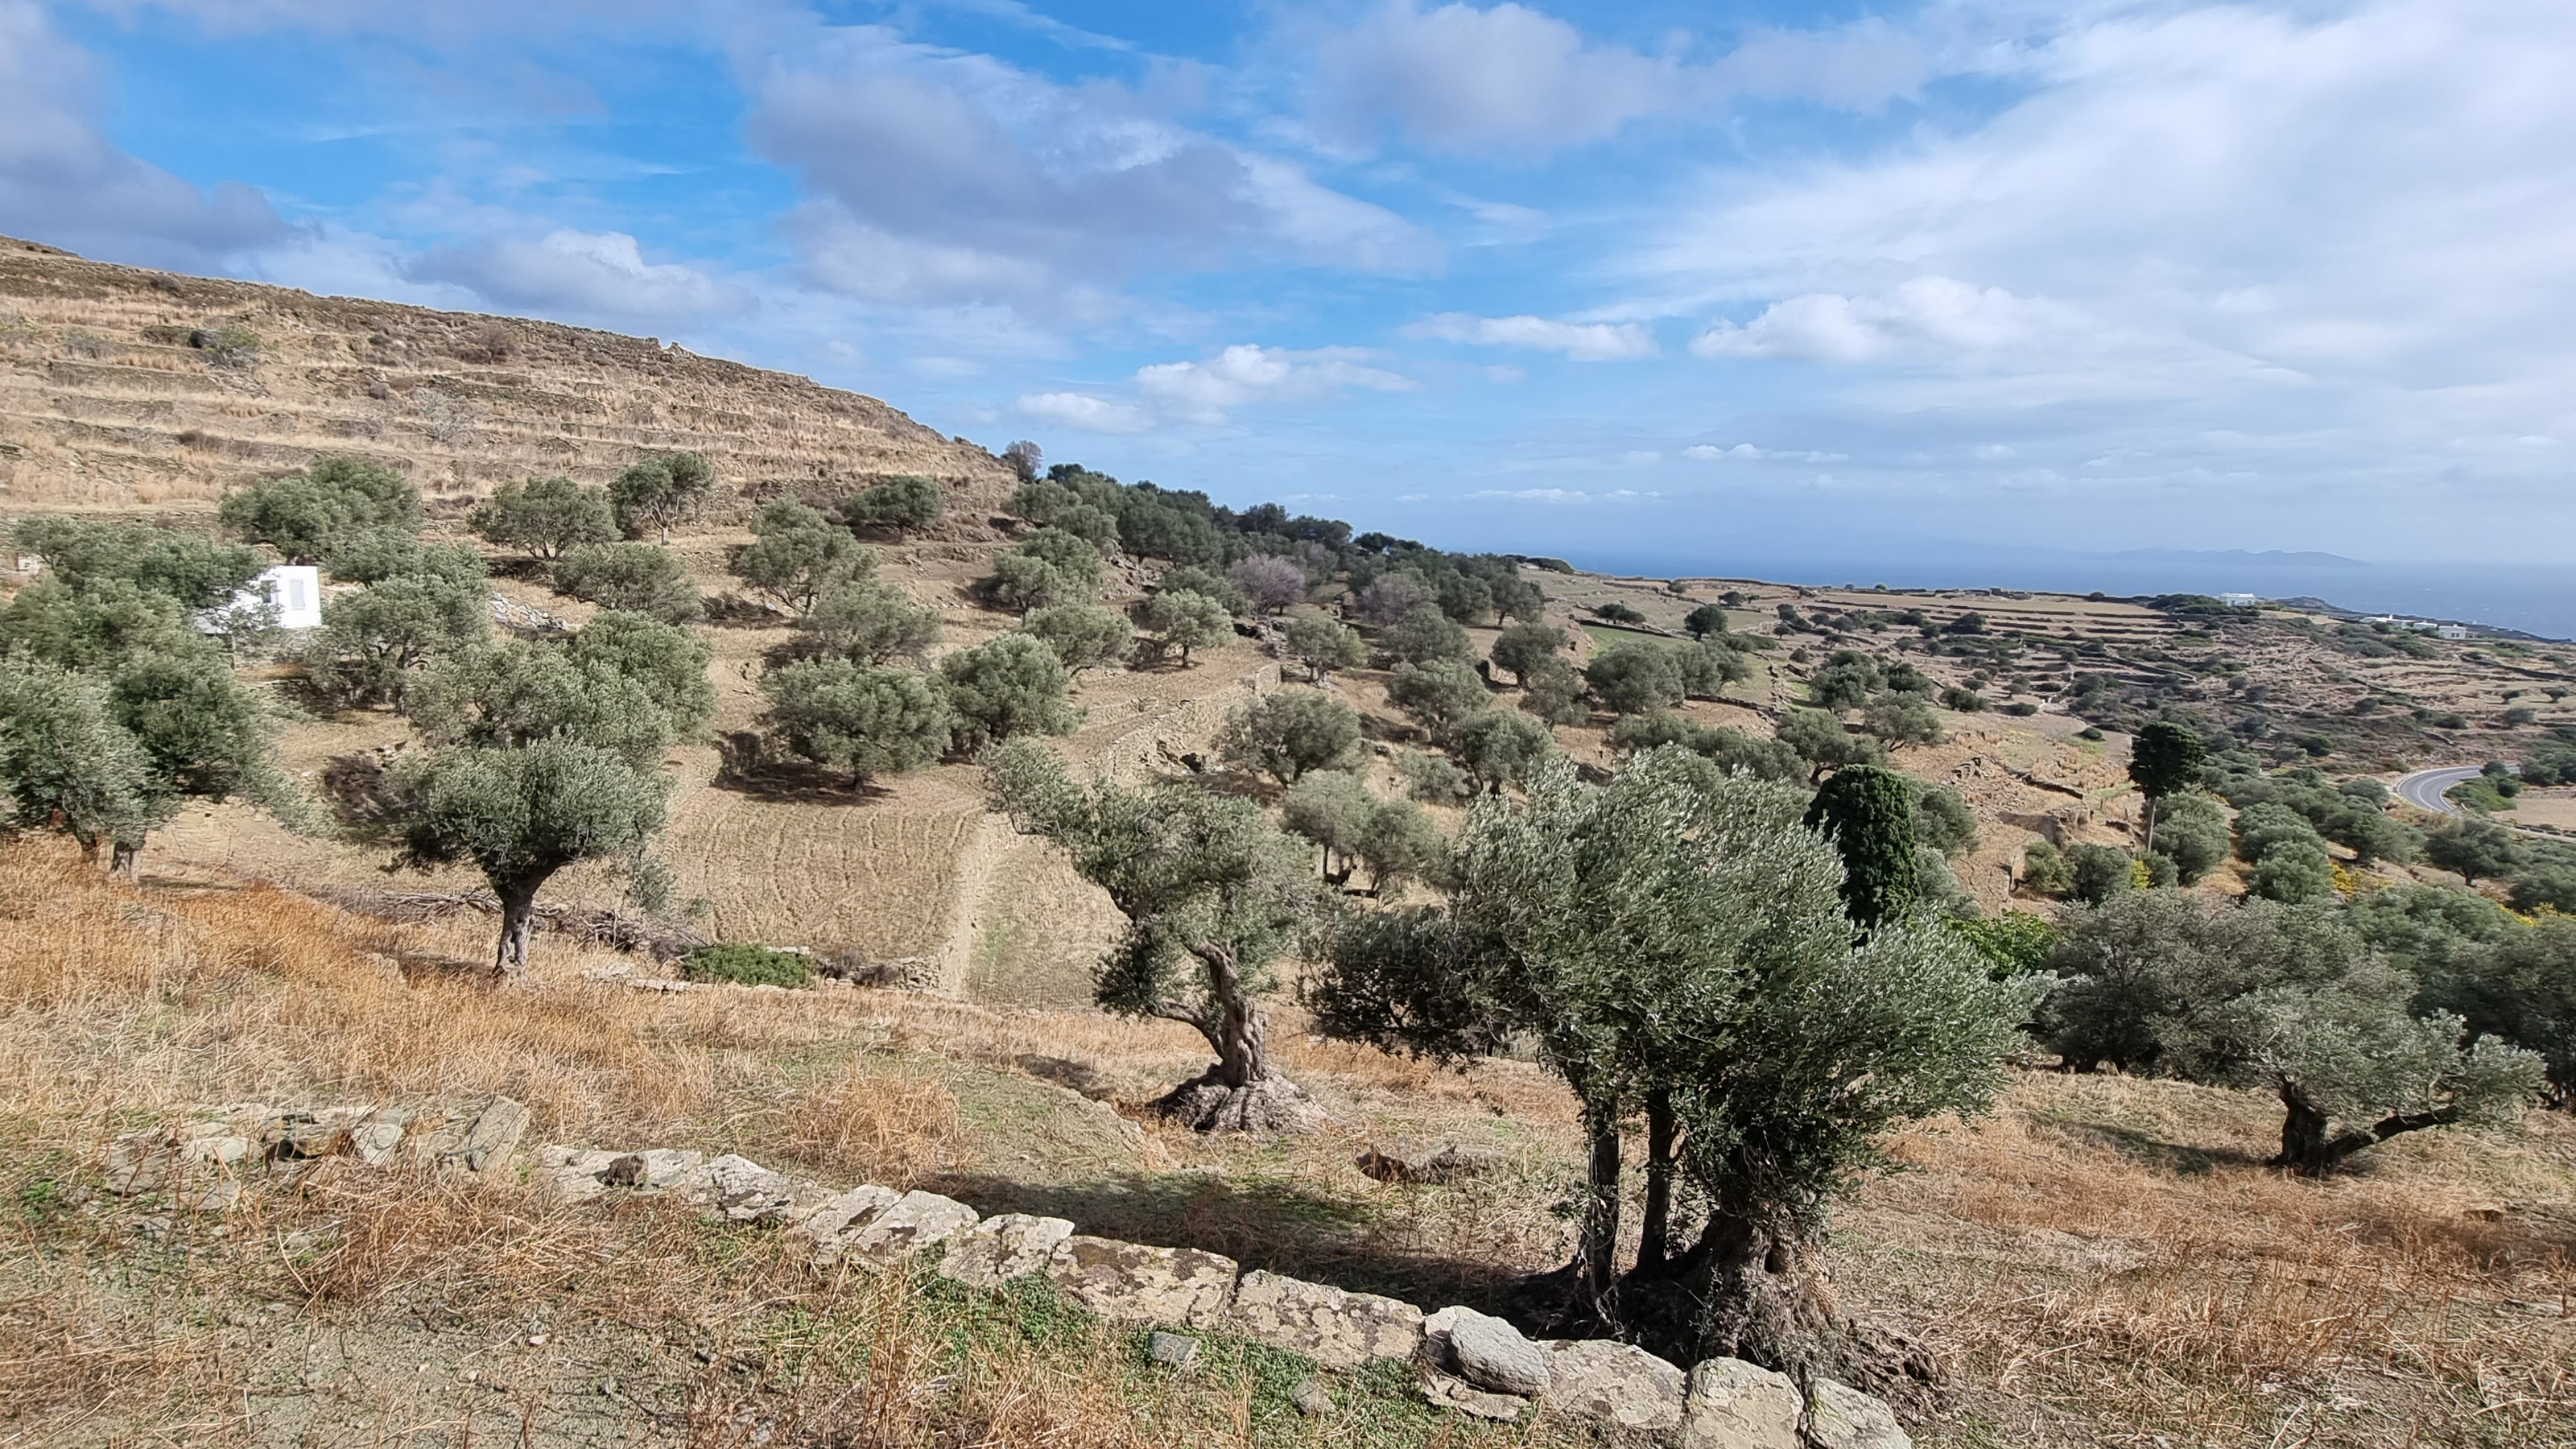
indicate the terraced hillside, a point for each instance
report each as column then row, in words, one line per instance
column 124, row 388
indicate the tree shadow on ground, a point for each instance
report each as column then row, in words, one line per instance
column 1268, row 1222
column 2147, row 1150
column 747, row 769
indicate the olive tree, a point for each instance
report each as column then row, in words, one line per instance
column 1823, row 742
column 1011, row 684
column 1354, row 827
column 306, row 515
column 1423, row 635
column 1497, row 747
column 868, row 621
column 868, row 719
column 1524, row 648
column 1290, row 732
column 796, row 556
column 525, row 691
column 2285, row 998
column 82, row 555
column 1214, row 894
column 1439, row 691
column 373, row 642
column 660, row 491
column 640, row 577
column 1322, row 644
column 669, row 661
column 542, row 517
column 1673, row 944
column 1634, row 678
column 1081, row 636
column 1177, row 619
column 2477, row 849
column 67, row 764
column 518, row 815
column 904, row 504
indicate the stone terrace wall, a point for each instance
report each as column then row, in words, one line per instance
column 1465, row 1360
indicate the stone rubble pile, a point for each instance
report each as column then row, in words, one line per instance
column 1468, row 1361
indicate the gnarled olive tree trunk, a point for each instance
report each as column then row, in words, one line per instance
column 1240, row 1092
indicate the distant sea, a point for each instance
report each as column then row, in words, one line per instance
column 2536, row 599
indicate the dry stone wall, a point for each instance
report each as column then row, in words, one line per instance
column 1471, row 1362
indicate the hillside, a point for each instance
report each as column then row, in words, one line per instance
column 123, row 388
column 2104, row 1259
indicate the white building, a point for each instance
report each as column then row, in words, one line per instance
column 294, row 591
column 2450, row 631
column 2240, row 601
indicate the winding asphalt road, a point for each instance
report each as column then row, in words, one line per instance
column 2424, row 788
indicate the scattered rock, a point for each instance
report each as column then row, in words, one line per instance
column 1432, row 1163
column 1450, row 1391
column 1840, row 1417
column 219, row 1152
column 1138, row 1283
column 656, row 1169
column 325, row 1133
column 140, row 1161
column 375, row 1139
column 573, row 1172
column 1334, row 1327
column 1732, row 1404
column 1599, row 1382
column 1487, row 1352
column 999, row 1249
column 1175, row 1350
column 1310, row 1399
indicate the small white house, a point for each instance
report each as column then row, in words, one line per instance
column 2240, row 601
column 293, row 591
column 2450, row 631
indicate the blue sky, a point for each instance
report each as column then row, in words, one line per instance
column 1733, row 284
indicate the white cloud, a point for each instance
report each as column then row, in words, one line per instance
column 1579, row 341
column 935, row 177
column 1510, row 78
column 597, row 274
column 1996, row 452
column 1561, row 495
column 1926, row 315
column 1747, row 453
column 1083, row 411
column 1203, row 391
column 63, row 183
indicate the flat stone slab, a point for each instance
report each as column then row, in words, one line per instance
column 1333, row 1326
column 1842, row 1417
column 573, row 1172
column 1138, row 1283
column 999, row 1249
column 1596, row 1381
column 910, row 1224
column 1732, row 1404
column 740, row 1190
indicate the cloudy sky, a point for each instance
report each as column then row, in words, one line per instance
column 1647, row 280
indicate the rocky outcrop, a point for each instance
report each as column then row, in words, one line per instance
column 1468, row 1361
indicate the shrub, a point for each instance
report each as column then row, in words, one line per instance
column 796, row 556
column 1634, row 678
column 638, row 577
column 869, row 621
column 740, row 963
column 1322, row 643
column 2095, row 873
column 1963, row 701
column 1553, row 692
column 2045, row 870
column 1618, row 613
column 2016, row 943
column 1497, row 747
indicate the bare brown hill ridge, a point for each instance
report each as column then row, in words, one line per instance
column 124, row 387
column 2104, row 1261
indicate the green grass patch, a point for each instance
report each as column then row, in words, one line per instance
column 741, row 963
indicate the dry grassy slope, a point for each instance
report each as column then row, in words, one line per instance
column 103, row 402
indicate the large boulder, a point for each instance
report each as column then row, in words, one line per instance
column 1334, row 1327
column 1485, row 1351
column 1841, row 1417
column 1135, row 1283
column 1732, row 1404
column 1595, row 1381
column 999, row 1249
